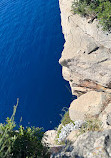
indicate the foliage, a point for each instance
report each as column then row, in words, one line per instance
column 28, row 143
column 7, row 138
column 100, row 9
column 91, row 125
column 64, row 121
column 57, row 136
column 20, row 142
column 66, row 118
column 104, row 14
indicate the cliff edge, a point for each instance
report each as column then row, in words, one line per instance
column 86, row 58
column 85, row 130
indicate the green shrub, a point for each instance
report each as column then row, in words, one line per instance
column 104, row 14
column 100, row 9
column 56, row 139
column 20, row 142
column 91, row 125
column 28, row 143
column 66, row 119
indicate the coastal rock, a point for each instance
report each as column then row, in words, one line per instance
column 49, row 138
column 88, row 145
column 90, row 104
column 73, row 136
column 105, row 117
column 86, row 64
column 86, row 58
column 67, row 129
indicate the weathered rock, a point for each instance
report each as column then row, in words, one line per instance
column 87, row 52
column 49, row 141
column 105, row 117
column 90, row 104
column 86, row 64
column 93, row 145
column 49, row 138
column 109, row 119
column 88, row 145
column 56, row 149
column 65, row 130
column 73, row 136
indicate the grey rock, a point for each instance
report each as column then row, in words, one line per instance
column 105, row 116
column 109, row 119
column 91, row 47
column 89, row 145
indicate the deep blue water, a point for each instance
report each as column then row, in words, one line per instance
column 31, row 42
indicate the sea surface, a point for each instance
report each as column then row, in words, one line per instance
column 31, row 42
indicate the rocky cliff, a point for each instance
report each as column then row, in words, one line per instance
column 86, row 64
column 86, row 58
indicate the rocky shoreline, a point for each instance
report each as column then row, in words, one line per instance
column 86, row 64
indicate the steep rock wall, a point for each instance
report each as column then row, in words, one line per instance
column 86, row 64
column 86, row 58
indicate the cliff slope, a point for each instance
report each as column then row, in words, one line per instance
column 86, row 64
column 86, row 58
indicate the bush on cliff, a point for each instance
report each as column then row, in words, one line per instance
column 64, row 122
column 66, row 119
column 100, row 9
column 91, row 124
column 20, row 142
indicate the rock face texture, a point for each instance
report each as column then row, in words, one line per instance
column 86, row 58
column 49, row 138
column 86, row 64
column 105, row 117
column 88, row 145
column 90, row 104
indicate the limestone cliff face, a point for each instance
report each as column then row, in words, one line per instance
column 86, row 58
column 86, row 64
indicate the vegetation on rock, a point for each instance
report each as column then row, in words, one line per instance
column 100, row 9
column 91, row 124
column 66, row 119
column 67, row 125
column 20, row 142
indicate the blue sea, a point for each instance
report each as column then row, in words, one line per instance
column 31, row 42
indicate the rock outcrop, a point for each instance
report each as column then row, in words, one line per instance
column 90, row 104
column 86, row 58
column 49, row 138
column 86, row 64
column 88, row 145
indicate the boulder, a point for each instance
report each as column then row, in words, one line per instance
column 49, row 138
column 90, row 104
column 49, row 141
